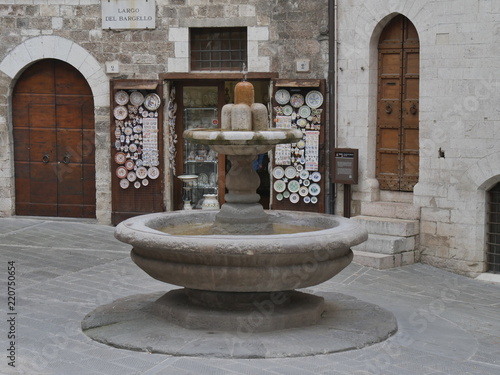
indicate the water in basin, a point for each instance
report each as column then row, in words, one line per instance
column 201, row 229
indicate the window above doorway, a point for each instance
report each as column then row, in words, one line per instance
column 218, row 49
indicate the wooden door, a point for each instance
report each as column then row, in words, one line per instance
column 53, row 126
column 398, row 106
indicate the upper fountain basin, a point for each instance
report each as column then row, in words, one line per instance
column 241, row 263
column 242, row 142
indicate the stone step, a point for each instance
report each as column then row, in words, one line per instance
column 384, row 261
column 396, row 210
column 388, row 226
column 384, row 244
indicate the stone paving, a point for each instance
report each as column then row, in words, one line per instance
column 448, row 324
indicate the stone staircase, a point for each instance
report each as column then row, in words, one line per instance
column 393, row 234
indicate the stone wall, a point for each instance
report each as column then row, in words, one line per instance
column 279, row 32
column 459, row 96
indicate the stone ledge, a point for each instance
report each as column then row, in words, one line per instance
column 389, row 226
column 384, row 261
column 383, row 244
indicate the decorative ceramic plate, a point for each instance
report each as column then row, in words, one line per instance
column 121, row 97
column 142, row 172
column 314, row 99
column 120, row 112
column 315, row 176
column 132, row 147
column 293, row 186
column 286, row 194
column 152, row 102
column 136, row 98
column 124, row 183
column 282, row 96
column 304, row 111
column 137, row 129
column 304, row 174
column 314, row 200
column 279, row 196
column 303, row 191
column 145, row 182
column 131, row 176
column 290, row 172
column 314, row 189
column 294, row 198
column 120, row 158
column 306, row 182
column 137, row 184
column 297, row 100
column 279, row 186
column 278, row 172
column 129, row 164
column 121, row 172
column 287, row 110
column 302, row 122
column 153, row 173
column 307, row 199
column 128, row 131
column 301, row 144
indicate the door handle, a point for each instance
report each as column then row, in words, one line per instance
column 413, row 109
column 45, row 158
column 388, row 108
column 66, row 158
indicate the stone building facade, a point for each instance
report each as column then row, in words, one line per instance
column 278, row 33
column 445, row 220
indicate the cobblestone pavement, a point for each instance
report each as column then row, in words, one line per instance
column 448, row 324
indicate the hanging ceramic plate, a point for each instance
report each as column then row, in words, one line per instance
column 314, row 189
column 120, row 112
column 121, row 97
column 136, row 98
column 301, row 144
column 142, row 172
column 314, row 200
column 294, row 198
column 278, row 172
column 128, row 130
column 303, row 191
column 290, row 172
column 297, row 100
column 152, row 102
column 132, row 147
column 129, row 164
column 307, row 199
column 279, row 186
column 286, row 194
column 304, row 111
column 282, row 96
column 279, row 197
column 314, row 99
column 153, row 173
column 124, row 183
column 121, row 172
column 137, row 184
column 293, row 186
column 120, row 158
column 302, row 122
column 306, row 182
column 315, row 176
column 131, row 176
column 145, row 182
column 287, row 110
column 304, row 174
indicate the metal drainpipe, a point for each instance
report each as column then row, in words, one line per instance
column 332, row 46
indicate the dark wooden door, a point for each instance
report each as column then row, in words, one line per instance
column 53, row 126
column 398, row 106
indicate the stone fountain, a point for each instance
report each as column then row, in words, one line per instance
column 239, row 267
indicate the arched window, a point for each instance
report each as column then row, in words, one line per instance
column 493, row 238
column 398, row 106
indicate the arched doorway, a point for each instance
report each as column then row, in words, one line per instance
column 397, row 159
column 54, row 153
column 493, row 237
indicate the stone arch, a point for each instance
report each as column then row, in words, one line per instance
column 55, row 47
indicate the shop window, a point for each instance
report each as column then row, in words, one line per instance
column 493, row 252
column 218, row 49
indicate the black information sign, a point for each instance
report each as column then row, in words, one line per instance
column 345, row 168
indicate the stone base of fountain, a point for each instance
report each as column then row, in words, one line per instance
column 239, row 312
column 346, row 324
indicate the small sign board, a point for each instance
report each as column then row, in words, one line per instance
column 128, row 14
column 345, row 168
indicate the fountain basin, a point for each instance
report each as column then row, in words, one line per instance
column 241, row 263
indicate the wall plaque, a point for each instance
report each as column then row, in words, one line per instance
column 128, row 14
column 345, row 166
